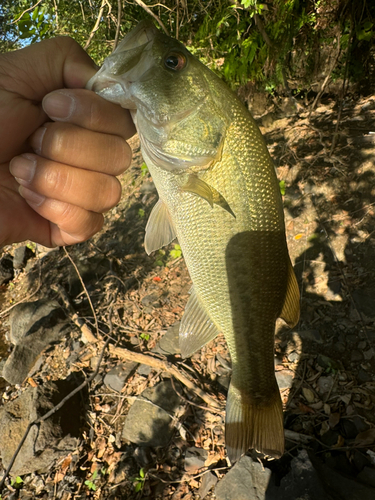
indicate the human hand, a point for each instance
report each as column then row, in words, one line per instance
column 57, row 177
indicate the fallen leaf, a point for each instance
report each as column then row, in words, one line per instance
column 334, row 419
column 304, row 408
column 308, row 394
column 365, row 438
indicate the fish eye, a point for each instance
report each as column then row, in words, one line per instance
column 175, row 61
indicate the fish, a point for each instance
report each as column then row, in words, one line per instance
column 219, row 195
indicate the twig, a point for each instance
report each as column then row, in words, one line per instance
column 119, row 13
column 344, row 88
column 50, row 413
column 85, row 330
column 6, row 311
column 149, row 11
column 84, row 287
column 163, row 366
column 27, row 10
column 96, row 26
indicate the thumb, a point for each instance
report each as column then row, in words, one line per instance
column 49, row 65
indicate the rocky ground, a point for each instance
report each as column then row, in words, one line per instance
column 147, row 424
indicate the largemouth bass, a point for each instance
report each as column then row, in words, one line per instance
column 219, row 195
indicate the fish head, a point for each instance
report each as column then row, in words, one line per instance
column 172, row 97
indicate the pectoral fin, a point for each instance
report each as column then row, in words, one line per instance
column 290, row 311
column 199, row 187
column 159, row 228
column 196, row 327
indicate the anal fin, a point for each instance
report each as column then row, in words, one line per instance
column 290, row 311
column 248, row 425
column 159, row 228
column 196, row 327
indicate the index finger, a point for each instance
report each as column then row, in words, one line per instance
column 88, row 110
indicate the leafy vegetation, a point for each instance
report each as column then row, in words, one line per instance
column 275, row 44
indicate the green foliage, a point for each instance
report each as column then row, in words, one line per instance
column 90, row 482
column 244, row 40
column 282, row 187
column 144, row 170
column 139, row 481
column 16, row 483
column 145, row 336
column 141, row 212
column 176, row 252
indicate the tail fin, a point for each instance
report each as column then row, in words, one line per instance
column 253, row 426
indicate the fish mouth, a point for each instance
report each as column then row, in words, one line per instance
column 108, row 81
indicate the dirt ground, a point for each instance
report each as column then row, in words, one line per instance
column 329, row 357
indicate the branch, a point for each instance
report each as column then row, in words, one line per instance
column 163, row 366
column 27, row 10
column 149, row 11
column 118, row 23
column 96, row 26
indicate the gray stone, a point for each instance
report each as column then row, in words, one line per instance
column 115, row 379
column 209, row 480
column 21, row 256
column 195, row 458
column 367, row 475
column 169, row 343
column 33, row 326
column 325, row 384
column 150, row 419
column 312, row 335
column 356, row 356
column 301, row 483
column 284, row 379
column 46, row 442
column 6, row 269
column 365, row 301
column 247, row 480
column 341, row 487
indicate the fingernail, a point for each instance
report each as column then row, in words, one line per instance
column 59, row 106
column 23, row 168
column 31, row 197
column 37, row 139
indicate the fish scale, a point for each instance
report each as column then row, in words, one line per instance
column 218, row 193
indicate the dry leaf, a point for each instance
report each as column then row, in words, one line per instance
column 308, row 394
column 365, row 438
column 304, row 408
column 334, row 419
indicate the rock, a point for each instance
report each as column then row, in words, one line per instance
column 47, row 442
column 169, row 344
column 356, row 356
column 284, row 379
column 150, row 419
column 115, row 379
column 365, row 301
column 325, row 385
column 6, row 269
column 342, row 487
column 209, row 480
column 247, row 480
column 293, row 357
column 195, row 458
column 367, row 475
column 301, row 483
column 312, row 335
column 363, row 376
column 21, row 256
column 33, row 326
